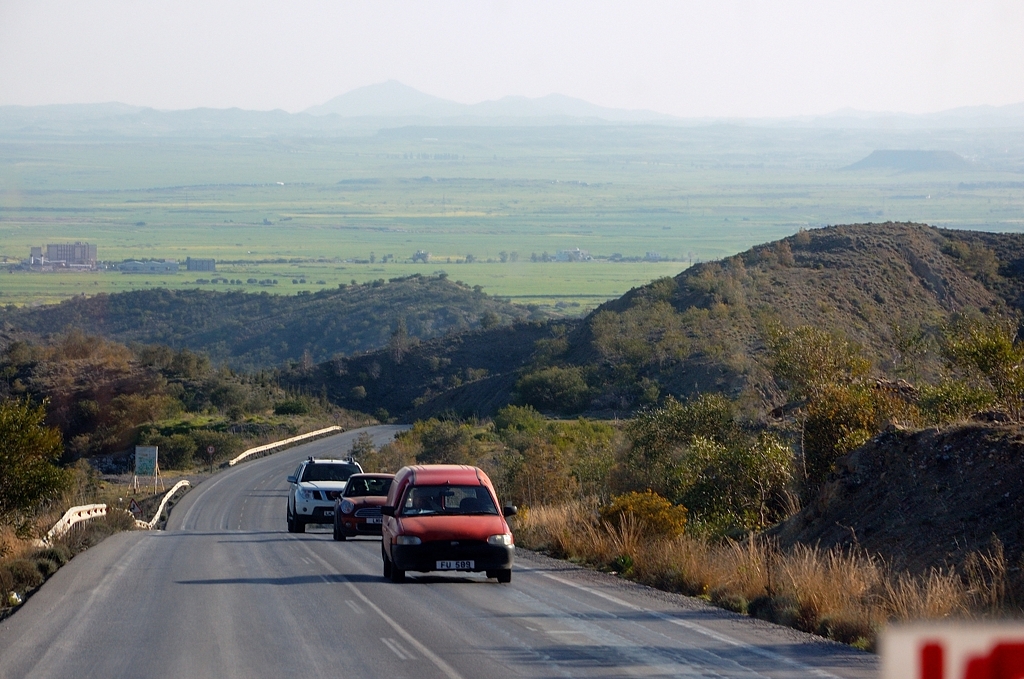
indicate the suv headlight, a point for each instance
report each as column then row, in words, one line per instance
column 505, row 539
column 347, row 506
column 304, row 494
column 408, row 540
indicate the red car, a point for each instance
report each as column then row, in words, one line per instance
column 357, row 510
column 445, row 518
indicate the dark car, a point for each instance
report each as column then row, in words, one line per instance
column 357, row 511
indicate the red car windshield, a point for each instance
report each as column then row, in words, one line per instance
column 447, row 499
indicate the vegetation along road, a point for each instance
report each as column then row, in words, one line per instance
column 225, row 591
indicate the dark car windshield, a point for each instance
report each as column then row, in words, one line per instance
column 447, row 499
column 363, row 486
column 329, row 472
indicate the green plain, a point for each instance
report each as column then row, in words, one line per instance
column 292, row 208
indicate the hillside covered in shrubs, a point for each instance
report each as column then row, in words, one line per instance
column 888, row 289
column 249, row 331
column 102, row 398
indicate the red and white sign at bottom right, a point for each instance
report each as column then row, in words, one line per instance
column 961, row 650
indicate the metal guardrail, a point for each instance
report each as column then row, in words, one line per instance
column 70, row 518
column 271, row 446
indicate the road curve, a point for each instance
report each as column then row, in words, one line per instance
column 225, row 591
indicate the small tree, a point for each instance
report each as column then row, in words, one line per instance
column 989, row 354
column 808, row 360
column 398, row 345
column 843, row 418
column 28, row 453
column 362, row 446
column 563, row 390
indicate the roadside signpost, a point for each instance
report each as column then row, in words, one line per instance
column 146, row 464
column 964, row 650
column 210, row 450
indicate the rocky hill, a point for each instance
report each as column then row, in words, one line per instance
column 703, row 330
column 923, row 498
column 253, row 331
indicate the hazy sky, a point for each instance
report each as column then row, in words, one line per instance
column 713, row 58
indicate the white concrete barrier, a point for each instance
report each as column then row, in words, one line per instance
column 271, row 446
column 163, row 503
column 70, row 518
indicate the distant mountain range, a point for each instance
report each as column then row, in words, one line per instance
column 392, row 104
column 392, row 99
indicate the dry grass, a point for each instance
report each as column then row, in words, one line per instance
column 842, row 594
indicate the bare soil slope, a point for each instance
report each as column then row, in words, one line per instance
column 923, row 498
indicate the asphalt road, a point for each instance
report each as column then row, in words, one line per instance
column 227, row 592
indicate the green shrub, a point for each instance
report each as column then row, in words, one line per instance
column 59, row 554
column 24, row 575
column 292, row 407
column 953, row 400
column 46, row 567
column 562, row 390
column 659, row 517
column 118, row 520
column 843, row 418
column 6, row 583
column 176, row 451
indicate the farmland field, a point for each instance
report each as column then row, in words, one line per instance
column 490, row 205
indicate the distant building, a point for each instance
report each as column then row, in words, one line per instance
column 197, row 264
column 166, row 266
column 421, row 256
column 653, row 257
column 573, row 255
column 64, row 255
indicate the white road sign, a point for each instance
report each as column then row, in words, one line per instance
column 953, row 651
column 145, row 460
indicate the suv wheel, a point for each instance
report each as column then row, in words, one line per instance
column 292, row 528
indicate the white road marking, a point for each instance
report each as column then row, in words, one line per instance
column 397, row 649
column 694, row 627
column 439, row 662
column 354, row 606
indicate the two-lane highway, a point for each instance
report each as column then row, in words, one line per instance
column 225, row 591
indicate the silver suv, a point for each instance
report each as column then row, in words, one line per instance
column 314, row 487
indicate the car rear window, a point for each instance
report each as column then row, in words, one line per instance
column 447, row 499
column 362, row 486
column 329, row 471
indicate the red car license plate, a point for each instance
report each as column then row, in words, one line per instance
column 373, row 519
column 454, row 565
